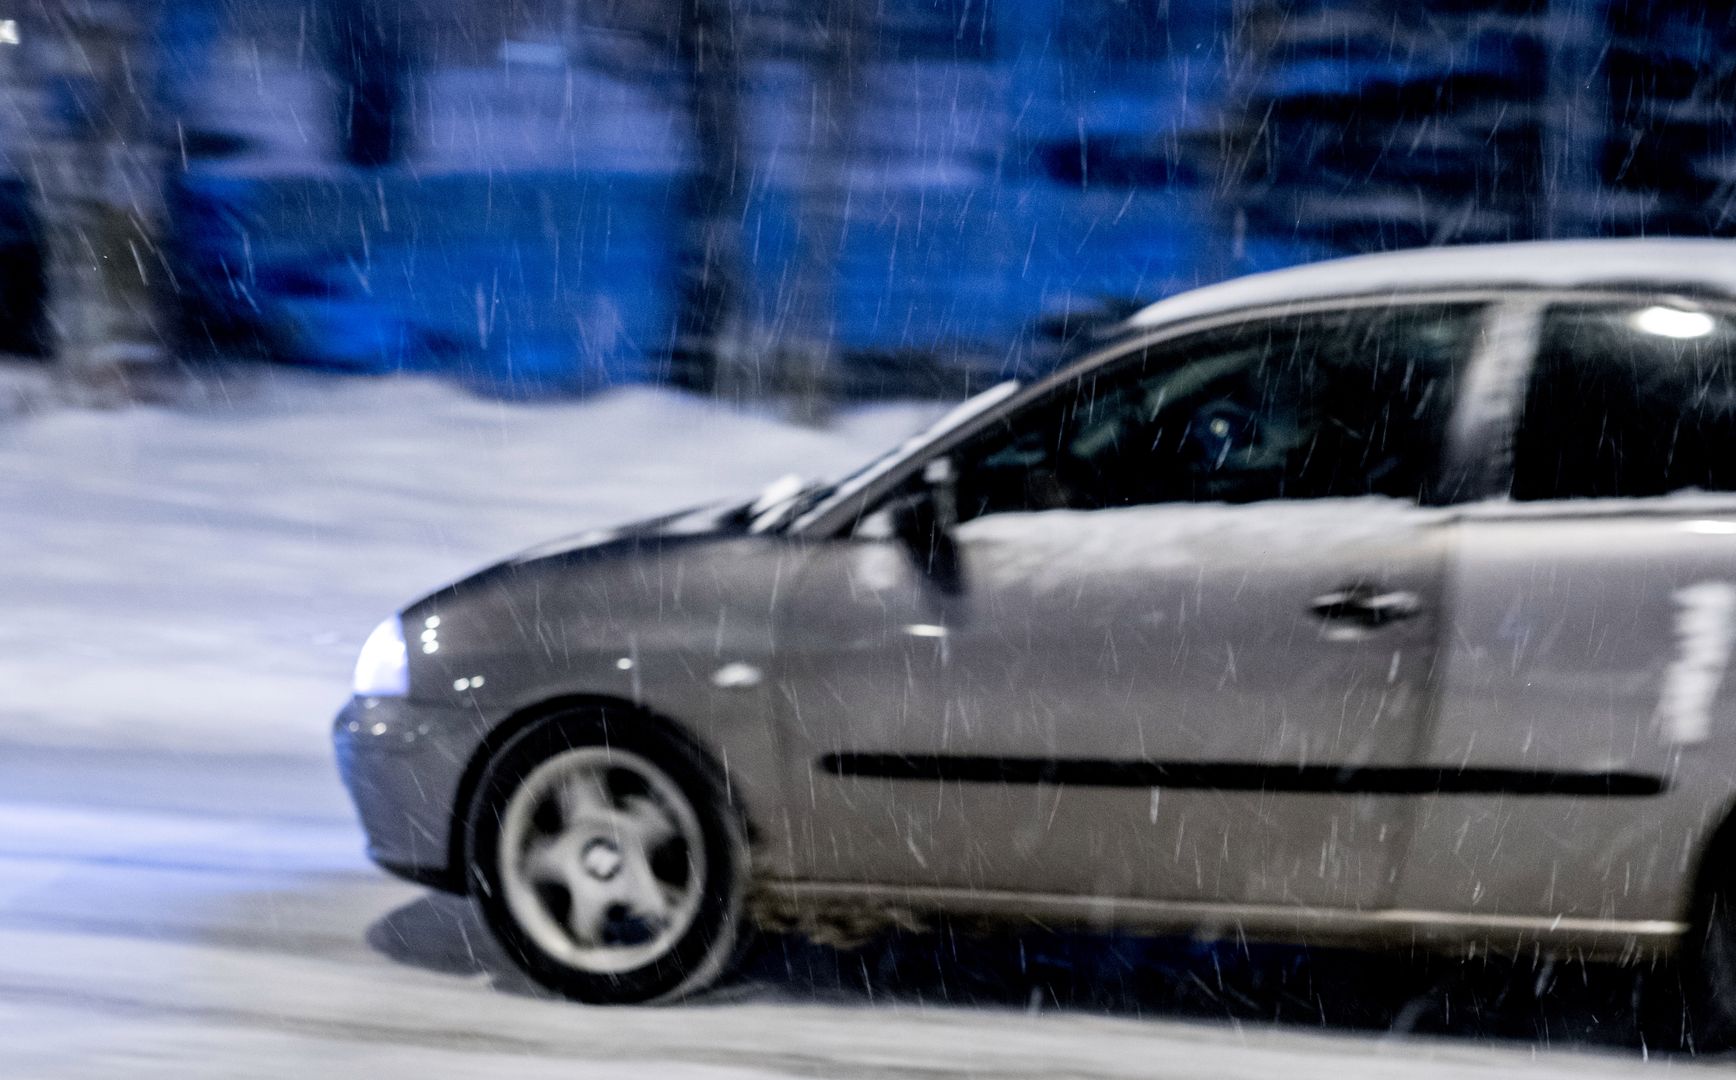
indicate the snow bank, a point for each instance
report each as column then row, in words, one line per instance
column 202, row 579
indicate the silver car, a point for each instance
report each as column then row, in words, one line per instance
column 1384, row 600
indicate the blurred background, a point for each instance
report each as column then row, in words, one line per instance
column 308, row 306
column 811, row 200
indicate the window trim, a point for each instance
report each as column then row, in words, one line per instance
column 838, row 515
column 1478, row 454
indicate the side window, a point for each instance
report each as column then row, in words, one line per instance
column 1340, row 404
column 1629, row 400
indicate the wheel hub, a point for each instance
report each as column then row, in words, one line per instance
column 601, row 858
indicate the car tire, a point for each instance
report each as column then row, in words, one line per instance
column 1709, row 970
column 610, row 822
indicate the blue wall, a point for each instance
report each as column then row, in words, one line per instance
column 534, row 280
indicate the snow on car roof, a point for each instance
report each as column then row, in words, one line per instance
column 1697, row 265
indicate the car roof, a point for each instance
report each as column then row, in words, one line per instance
column 1693, row 266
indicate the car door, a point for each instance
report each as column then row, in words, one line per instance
column 1181, row 647
column 1594, row 613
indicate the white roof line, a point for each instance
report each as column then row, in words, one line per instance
column 1708, row 265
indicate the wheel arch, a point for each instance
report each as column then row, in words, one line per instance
column 503, row 734
column 1714, row 864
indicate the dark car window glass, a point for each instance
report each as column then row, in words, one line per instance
column 1629, row 400
column 1340, row 404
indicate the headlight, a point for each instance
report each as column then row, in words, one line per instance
column 382, row 670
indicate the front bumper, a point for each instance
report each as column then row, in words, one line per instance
column 402, row 763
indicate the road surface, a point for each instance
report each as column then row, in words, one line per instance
column 190, row 916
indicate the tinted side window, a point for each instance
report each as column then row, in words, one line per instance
column 1629, row 400
column 1340, row 404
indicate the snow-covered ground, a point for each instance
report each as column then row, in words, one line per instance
column 210, row 936
column 200, row 577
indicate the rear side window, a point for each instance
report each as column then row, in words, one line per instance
column 1629, row 400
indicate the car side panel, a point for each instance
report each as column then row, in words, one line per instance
column 1585, row 638
column 1179, row 636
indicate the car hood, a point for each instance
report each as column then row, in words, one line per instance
column 710, row 522
column 723, row 518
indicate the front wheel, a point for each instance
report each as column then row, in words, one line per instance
column 606, row 860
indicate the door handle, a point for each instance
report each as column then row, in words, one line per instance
column 1365, row 605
